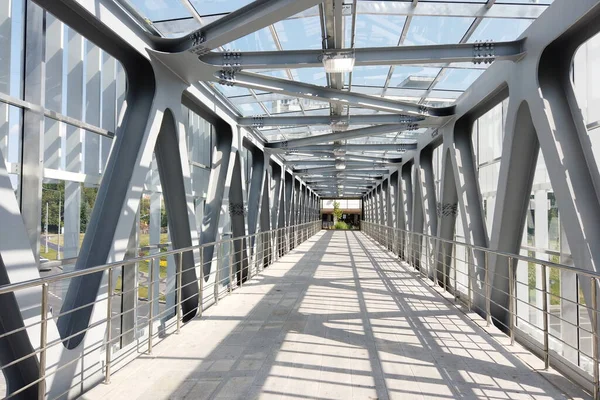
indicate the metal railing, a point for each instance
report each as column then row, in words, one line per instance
column 236, row 261
column 521, row 295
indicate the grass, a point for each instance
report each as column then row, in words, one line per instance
column 142, row 291
column 144, row 239
column 341, row 225
column 143, row 266
column 50, row 255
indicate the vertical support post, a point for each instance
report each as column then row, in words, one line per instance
column 453, row 257
column 595, row 336
column 201, row 288
column 511, row 304
column 488, row 301
column 43, row 342
column 216, row 285
column 545, row 308
column 444, row 269
column 108, row 350
column 32, row 133
column 231, row 251
column 150, row 304
column 179, row 272
column 423, row 272
column 468, row 263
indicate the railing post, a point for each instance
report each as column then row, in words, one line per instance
column 201, row 288
column 43, row 342
column 452, row 257
column 178, row 294
column 231, row 250
column 545, row 308
column 150, row 304
column 468, row 262
column 426, row 257
column 595, row 336
column 488, row 301
column 444, row 269
column 216, row 285
column 108, row 326
column 511, row 304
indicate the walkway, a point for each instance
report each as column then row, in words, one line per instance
column 338, row 318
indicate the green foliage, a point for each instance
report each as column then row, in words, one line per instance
column 337, row 212
column 145, row 213
column 341, row 225
column 53, row 195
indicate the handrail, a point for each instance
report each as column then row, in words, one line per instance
column 427, row 253
column 235, row 266
column 548, row 263
column 100, row 268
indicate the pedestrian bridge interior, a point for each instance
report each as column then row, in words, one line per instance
column 171, row 175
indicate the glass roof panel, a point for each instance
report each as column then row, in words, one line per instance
column 523, row 1
column 231, row 91
column 458, row 1
column 372, row 75
column 314, row 76
column 299, row 33
column 211, row 7
column 261, row 40
column 160, row 10
column 458, row 79
column 426, row 30
column 378, row 30
column 500, row 29
column 250, row 109
column 176, row 27
column 413, row 77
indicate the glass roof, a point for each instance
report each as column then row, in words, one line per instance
column 377, row 23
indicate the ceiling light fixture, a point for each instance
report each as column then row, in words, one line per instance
column 338, row 61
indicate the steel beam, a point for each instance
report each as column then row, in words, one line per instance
column 315, row 92
column 361, row 164
column 330, row 137
column 255, row 16
column 333, row 169
column 328, row 120
column 431, row 54
column 32, row 160
column 398, row 147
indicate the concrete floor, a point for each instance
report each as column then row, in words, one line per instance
column 338, row 318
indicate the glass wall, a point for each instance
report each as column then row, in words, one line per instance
column 84, row 91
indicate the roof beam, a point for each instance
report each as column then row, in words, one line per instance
column 352, row 134
column 329, row 155
column 401, row 147
column 253, row 17
column 315, row 92
column 308, row 171
column 328, row 120
column 332, row 162
column 447, row 53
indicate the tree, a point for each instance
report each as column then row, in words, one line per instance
column 337, row 212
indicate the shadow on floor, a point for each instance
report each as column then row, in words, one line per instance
column 338, row 318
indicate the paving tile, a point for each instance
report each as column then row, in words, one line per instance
column 337, row 318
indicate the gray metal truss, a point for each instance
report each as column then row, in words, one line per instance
column 315, row 92
column 330, row 137
column 244, row 21
column 395, row 147
column 447, row 53
column 367, row 119
column 542, row 109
